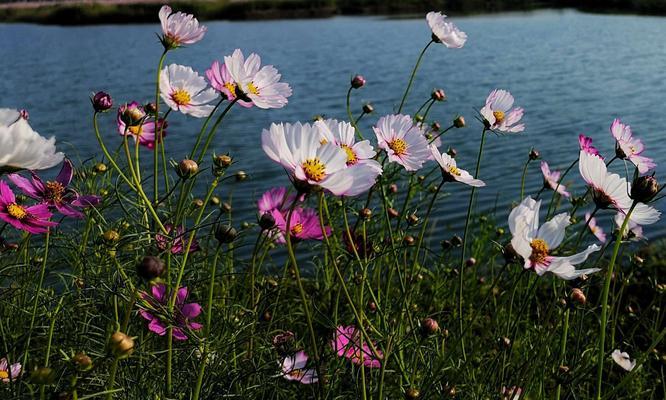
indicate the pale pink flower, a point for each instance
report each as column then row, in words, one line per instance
column 179, row 28
column 186, row 91
column 450, row 170
column 551, row 180
column 634, row 231
column 594, row 228
column 293, row 369
column 630, row 148
column 347, row 343
column 498, row 112
column 585, row 144
column 8, row 372
column 445, row 32
column 404, row 142
column 220, row 79
column 257, row 84
column 343, row 135
column 623, row 360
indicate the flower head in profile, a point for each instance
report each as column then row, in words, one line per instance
column 536, row 244
column 9, row 372
column 347, row 343
column 175, row 238
column 133, row 120
column 499, row 114
column 585, row 144
column 627, row 147
column 445, row 32
column 450, row 170
column 622, row 359
column 32, row 219
column 551, row 180
column 156, row 312
column 23, row 148
column 294, row 369
column 184, row 90
column 404, row 142
column 220, row 79
column 256, row 84
column 596, row 230
column 304, row 225
column 179, row 28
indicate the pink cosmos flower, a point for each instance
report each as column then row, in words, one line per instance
column 32, row 219
column 186, row 91
column 275, row 199
column 56, row 193
column 133, row 120
column 177, row 240
column 179, row 28
column 8, row 372
column 450, row 170
column 404, row 142
column 347, row 343
column 293, row 369
column 594, row 228
column 445, row 32
column 585, row 144
column 630, row 148
column 220, row 79
column 259, row 85
column 305, row 225
column 156, row 312
column 499, row 115
column 551, row 179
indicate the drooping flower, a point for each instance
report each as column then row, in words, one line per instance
column 32, row 219
column 634, row 231
column 220, row 79
column 535, row 244
column 23, row 148
column 404, row 142
column 450, row 170
column 56, row 193
column 186, row 91
column 176, row 239
column 179, row 28
column 133, row 120
column 305, row 225
column 585, row 144
column 260, row 85
column 293, row 369
column 347, row 343
column 594, row 228
column 622, row 359
column 156, row 312
column 498, row 114
column 551, row 179
column 8, row 372
column 445, row 32
column 630, row 148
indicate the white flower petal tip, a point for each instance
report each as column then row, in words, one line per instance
column 623, row 360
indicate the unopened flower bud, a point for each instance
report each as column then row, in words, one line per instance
column 82, row 361
column 438, row 95
column 214, row 201
column 418, row 118
column 506, row 342
column 121, row 345
column 459, row 122
column 412, row 394
column 368, row 108
column 429, row 327
column 223, row 161
column 226, row 207
column 225, row 234
column 241, row 176
column 187, row 168
column 456, row 240
column 534, row 154
column 563, row 369
column 470, row 262
column 393, row 188
column 358, row 82
column 372, row 306
column 393, row 213
column 413, row 219
column 408, row 240
column 452, row 152
column 446, row 244
column 150, row 267
column 267, row 221
column 578, row 296
column 23, row 113
column 100, row 168
column 197, row 203
column 151, row 108
column 435, row 126
column 644, row 188
column 101, row 102
column 365, row 213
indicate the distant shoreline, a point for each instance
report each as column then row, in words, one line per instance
column 91, row 12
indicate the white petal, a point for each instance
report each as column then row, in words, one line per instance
column 552, row 232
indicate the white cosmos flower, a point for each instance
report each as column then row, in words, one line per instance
column 629, row 147
column 623, row 360
column 23, row 148
column 259, row 84
column 342, row 134
column 179, row 28
column 445, row 32
column 551, row 179
column 404, row 142
column 634, row 231
column 450, row 170
column 186, row 91
column 498, row 113
column 535, row 244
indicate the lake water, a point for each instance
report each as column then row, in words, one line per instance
column 572, row 72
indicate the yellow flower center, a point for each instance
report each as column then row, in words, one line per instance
column 252, row 88
column 314, row 169
column 539, row 251
column 55, row 191
column 16, row 211
column 136, row 130
column 453, row 170
column 231, row 87
column 398, row 146
column 181, row 97
column 297, row 373
column 4, row 374
column 351, row 157
column 499, row 116
column 296, row 229
column 323, row 141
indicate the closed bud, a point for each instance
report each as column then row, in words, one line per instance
column 438, row 95
column 223, row 161
column 365, row 213
column 358, row 82
column 456, row 240
column 534, row 154
column 408, row 240
column 372, row 306
column 470, row 262
column 446, row 244
column 505, row 342
column 413, row 219
column 121, row 345
column 225, row 234
column 150, row 108
column 452, row 152
column 150, row 267
column 266, row 316
column 214, row 201
column 429, row 327
column 241, row 176
column 101, row 102
column 226, row 207
column 435, row 126
column 393, row 213
column 197, row 203
column 82, row 361
column 563, row 369
column 459, row 122
column 644, row 188
column 418, row 118
column 267, row 221
column 368, row 108
column 578, row 296
column 393, row 188
column 111, row 236
column 100, row 168
column 187, row 168
column 412, row 394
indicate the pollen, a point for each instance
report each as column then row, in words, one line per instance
column 136, row 130
column 539, row 251
column 398, row 146
column 17, row 211
column 297, row 373
column 55, row 191
column 351, row 157
column 231, row 87
column 314, row 169
column 4, row 374
column 181, row 97
column 499, row 116
column 252, row 88
column 296, row 229
column 453, row 170
column 323, row 141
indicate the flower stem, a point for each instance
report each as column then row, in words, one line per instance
column 522, row 179
column 39, row 289
column 411, row 78
column 211, row 134
column 158, row 131
column 563, row 348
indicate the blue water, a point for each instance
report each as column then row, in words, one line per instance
column 572, row 72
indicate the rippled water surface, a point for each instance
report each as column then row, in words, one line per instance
column 572, row 72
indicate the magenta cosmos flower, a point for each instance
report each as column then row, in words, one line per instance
column 305, row 225
column 594, row 228
column 499, row 114
column 450, row 170
column 56, row 193
column 157, row 308
column 445, row 32
column 551, row 180
column 133, row 120
column 347, row 343
column 220, row 79
column 585, row 144
column 630, row 148
column 32, row 219
column 293, row 369
column 257, row 84
column 275, row 199
column 8, row 372
column 404, row 142
column 176, row 239
column 179, row 28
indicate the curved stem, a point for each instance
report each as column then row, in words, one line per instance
column 203, row 129
column 522, row 180
column 158, row 131
column 563, row 348
column 552, row 199
column 411, row 78
column 108, row 155
column 584, row 230
column 211, row 134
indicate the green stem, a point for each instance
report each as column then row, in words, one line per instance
column 42, row 273
column 158, row 131
column 411, row 77
column 563, row 348
column 522, row 179
column 108, row 155
column 211, row 134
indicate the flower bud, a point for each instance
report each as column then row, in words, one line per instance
column 429, row 327
column 372, row 306
column 197, row 203
column 241, row 176
column 534, row 154
column 150, row 267
column 23, row 113
column 446, row 244
column 438, row 95
column 578, row 296
column 223, row 161
column 644, row 188
column 111, row 236
column 82, row 361
column 267, row 221
column 101, row 102
column 358, row 82
column 408, row 240
column 412, row 394
column 418, row 118
column 435, row 126
column 470, row 262
column 456, row 240
column 452, row 152
column 187, row 168
column 459, row 122
column 365, row 213
column 225, row 234
column 505, row 342
column 284, row 342
column 100, row 168
column 214, row 201
column 393, row 213
column 393, row 188
column 151, row 108
column 413, row 219
column 132, row 114
column 368, row 108
column 121, row 345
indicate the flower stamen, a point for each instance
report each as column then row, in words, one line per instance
column 54, row 191
column 17, row 211
column 314, row 169
column 399, row 147
column 181, row 97
column 296, row 229
column 539, row 251
column 499, row 116
column 252, row 88
column 351, row 157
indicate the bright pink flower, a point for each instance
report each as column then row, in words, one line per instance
column 630, row 148
column 178, row 243
column 304, row 225
column 585, row 144
column 155, row 311
column 347, row 343
column 220, row 79
column 133, row 120
column 32, row 219
column 8, row 372
column 274, row 199
column 594, row 228
column 551, row 180
column 293, row 369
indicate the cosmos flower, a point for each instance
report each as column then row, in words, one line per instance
column 177, row 241
column 8, row 372
column 499, row 115
column 445, row 32
column 347, row 343
column 585, row 144
column 551, row 180
column 630, row 148
column 594, row 228
column 404, row 142
column 220, row 79
column 133, row 120
column 634, row 231
column 184, row 90
column 305, row 225
column 156, row 312
column 450, row 171
column 623, row 360
column 293, row 369
column 179, row 28
column 23, row 148
column 56, row 193
column 256, row 84
column 274, row 199
column 535, row 244
column 342, row 134
column 32, row 219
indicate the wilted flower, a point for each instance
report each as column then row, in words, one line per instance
column 551, row 179
column 404, row 142
column 132, row 120
column 293, row 369
column 450, row 171
column 8, row 372
column 585, row 144
column 347, row 343
column 175, row 239
column 101, row 101
column 156, row 312
column 445, row 32
column 179, row 28
column 33, row 219
column 186, row 91
column 220, row 79
column 498, row 113
column 261, row 86
column 121, row 344
column 629, row 147
column 594, row 228
column 644, row 188
column 623, row 360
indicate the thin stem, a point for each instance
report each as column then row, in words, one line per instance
column 211, row 134
column 107, row 154
column 203, row 129
column 411, row 77
column 158, row 132
column 563, row 348
column 42, row 273
column 522, row 179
